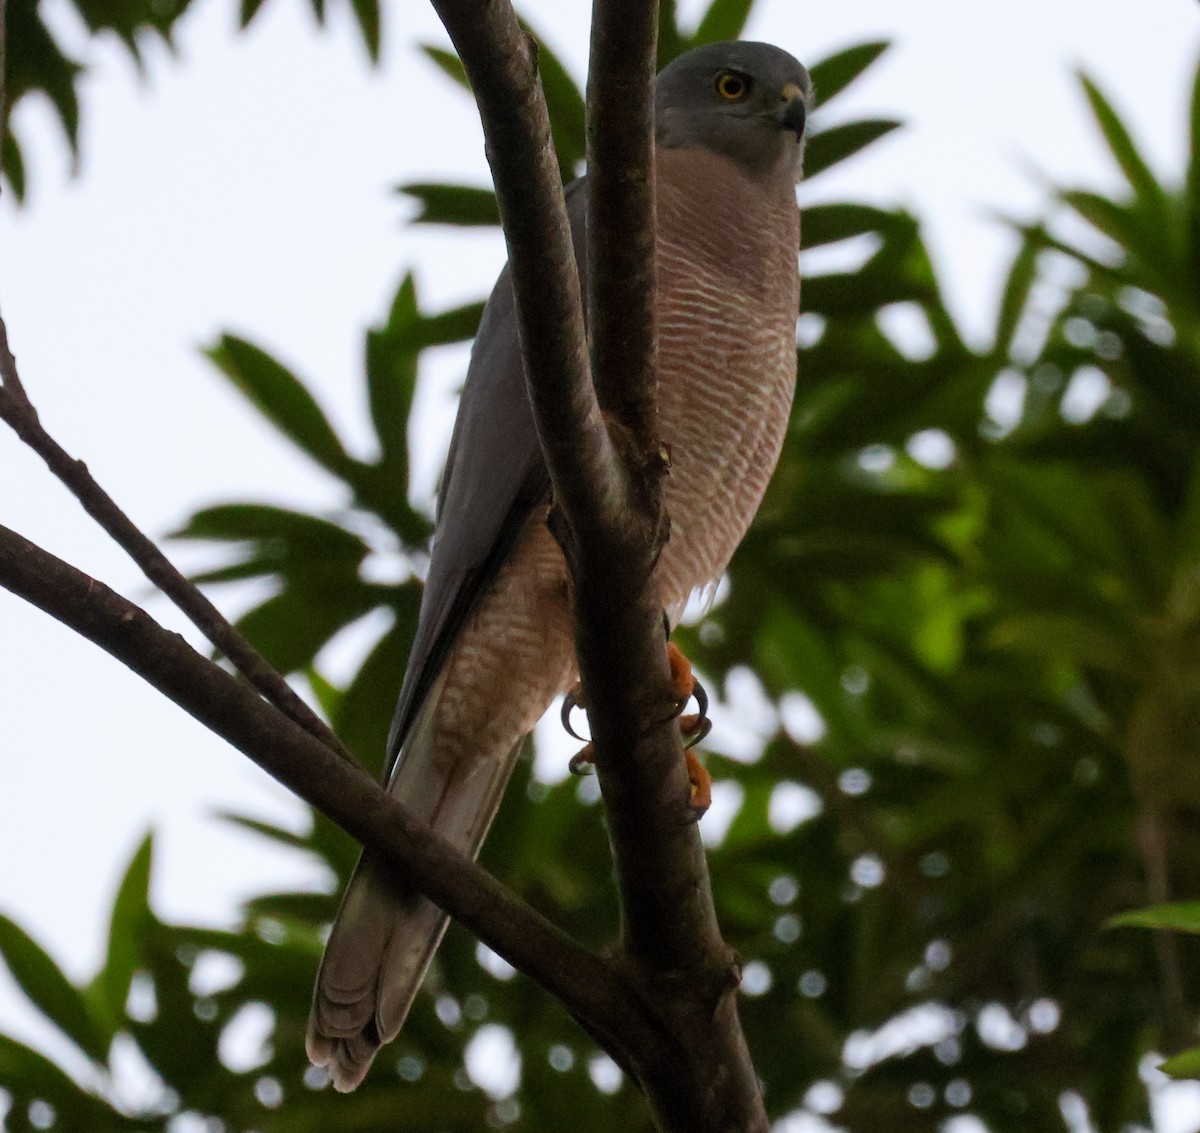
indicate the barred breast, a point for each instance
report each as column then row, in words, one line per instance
column 729, row 293
column 728, row 297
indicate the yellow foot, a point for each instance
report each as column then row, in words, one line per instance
column 692, row 727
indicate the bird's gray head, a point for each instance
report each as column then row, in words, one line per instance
column 746, row 101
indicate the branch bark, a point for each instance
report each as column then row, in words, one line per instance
column 665, row 1005
column 586, row 984
column 607, row 491
column 20, row 414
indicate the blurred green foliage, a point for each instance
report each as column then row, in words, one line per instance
column 38, row 62
column 969, row 616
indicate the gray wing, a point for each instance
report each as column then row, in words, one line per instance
column 494, row 477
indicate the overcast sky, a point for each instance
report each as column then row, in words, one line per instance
column 245, row 184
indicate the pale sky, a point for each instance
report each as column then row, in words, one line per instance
column 245, row 185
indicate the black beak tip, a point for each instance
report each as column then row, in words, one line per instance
column 793, row 115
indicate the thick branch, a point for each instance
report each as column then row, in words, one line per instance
column 586, row 472
column 17, row 410
column 343, row 791
column 621, row 217
column 609, row 499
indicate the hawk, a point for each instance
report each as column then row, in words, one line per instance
column 494, row 643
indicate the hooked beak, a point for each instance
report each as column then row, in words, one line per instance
column 792, row 112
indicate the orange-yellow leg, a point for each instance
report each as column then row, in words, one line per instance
column 693, row 728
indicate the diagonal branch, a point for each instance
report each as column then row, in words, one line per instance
column 587, row 985
column 19, row 413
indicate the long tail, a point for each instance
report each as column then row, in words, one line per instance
column 383, row 938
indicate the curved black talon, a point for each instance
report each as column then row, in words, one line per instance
column 696, row 729
column 569, row 704
column 583, row 763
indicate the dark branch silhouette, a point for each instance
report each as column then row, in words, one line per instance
column 664, row 1005
column 18, row 412
column 607, row 493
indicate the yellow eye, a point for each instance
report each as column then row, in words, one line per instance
column 733, row 86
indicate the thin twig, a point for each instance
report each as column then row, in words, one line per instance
column 586, row 984
column 20, row 414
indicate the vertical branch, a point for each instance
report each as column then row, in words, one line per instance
column 501, row 63
column 3, row 61
column 697, row 1070
column 621, row 215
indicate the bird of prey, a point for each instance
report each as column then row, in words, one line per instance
column 494, row 642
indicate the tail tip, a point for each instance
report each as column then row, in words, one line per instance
column 346, row 1058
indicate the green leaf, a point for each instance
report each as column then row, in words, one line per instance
column 366, row 12
column 448, row 327
column 265, row 523
column 725, row 19
column 41, row 979
column 364, row 713
column 829, row 147
column 1183, row 916
column 1183, row 1065
column 28, row 1075
column 1015, row 299
column 291, row 628
column 391, row 385
column 1120, row 142
column 827, row 224
column 1192, row 187
column 35, row 62
column 448, row 63
column 460, row 205
column 249, row 10
column 281, row 397
column 12, row 164
column 268, row 830
column 834, row 74
column 109, row 991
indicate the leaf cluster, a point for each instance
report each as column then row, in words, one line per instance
column 961, row 638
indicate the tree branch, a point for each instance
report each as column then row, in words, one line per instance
column 609, row 497
column 19, row 413
column 587, row 985
column 586, row 472
column 621, row 218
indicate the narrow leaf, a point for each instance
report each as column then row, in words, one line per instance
column 1183, row 916
column 366, row 12
column 131, row 912
column 268, row 830
column 294, row 531
column 829, row 147
column 448, row 63
column 827, row 224
column 41, row 979
column 1016, row 293
column 282, row 398
column 462, row 205
column 1120, row 142
column 1184, row 1065
column 13, row 167
column 833, row 75
column 249, row 11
